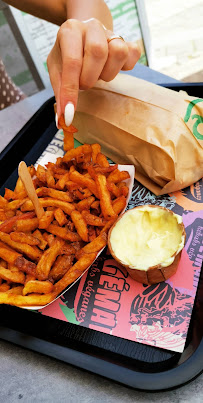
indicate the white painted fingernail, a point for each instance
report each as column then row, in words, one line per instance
column 56, row 120
column 69, row 113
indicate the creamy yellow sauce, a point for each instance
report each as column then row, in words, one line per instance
column 146, row 237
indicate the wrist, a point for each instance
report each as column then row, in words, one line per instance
column 83, row 10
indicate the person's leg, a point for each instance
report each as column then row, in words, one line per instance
column 9, row 93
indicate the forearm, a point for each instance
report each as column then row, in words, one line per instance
column 58, row 11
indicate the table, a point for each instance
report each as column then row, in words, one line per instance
column 32, row 377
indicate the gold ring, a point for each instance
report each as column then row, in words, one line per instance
column 115, row 37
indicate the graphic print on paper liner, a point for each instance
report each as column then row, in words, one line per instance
column 107, row 299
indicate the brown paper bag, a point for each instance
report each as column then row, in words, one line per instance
column 157, row 130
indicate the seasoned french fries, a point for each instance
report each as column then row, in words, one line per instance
column 47, row 260
column 105, row 199
column 3, row 202
column 10, row 276
column 68, row 134
column 41, row 174
column 16, row 290
column 63, row 233
column 46, row 219
column 26, row 225
column 96, row 149
column 24, row 238
column 55, row 194
column 60, row 217
column 117, row 176
column 80, row 225
column 75, row 152
column 38, row 235
column 93, row 247
column 10, row 223
column 85, row 204
column 82, row 180
column 28, row 300
column 65, row 206
column 62, row 264
column 4, row 287
column 31, row 251
column 102, row 160
column 82, row 196
column 62, row 182
column 92, row 219
column 76, row 270
column 41, row 287
column 119, row 204
column 8, row 255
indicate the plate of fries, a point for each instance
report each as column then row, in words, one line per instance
column 80, row 197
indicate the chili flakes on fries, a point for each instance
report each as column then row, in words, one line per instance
column 82, row 196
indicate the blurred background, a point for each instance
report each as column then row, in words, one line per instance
column 176, row 31
column 170, row 34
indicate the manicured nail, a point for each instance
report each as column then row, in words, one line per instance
column 56, row 120
column 69, row 113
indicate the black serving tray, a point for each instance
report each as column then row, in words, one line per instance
column 136, row 365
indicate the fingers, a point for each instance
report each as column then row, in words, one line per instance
column 71, row 45
column 95, row 54
column 117, row 57
column 64, row 64
column 134, row 54
column 122, row 56
column 82, row 55
column 54, row 68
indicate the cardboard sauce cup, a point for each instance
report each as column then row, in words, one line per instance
column 148, row 241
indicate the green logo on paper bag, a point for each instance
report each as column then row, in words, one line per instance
column 199, row 118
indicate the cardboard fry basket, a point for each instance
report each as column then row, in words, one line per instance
column 157, row 130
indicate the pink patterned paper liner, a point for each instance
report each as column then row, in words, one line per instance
column 108, row 300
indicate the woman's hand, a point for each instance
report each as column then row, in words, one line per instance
column 85, row 52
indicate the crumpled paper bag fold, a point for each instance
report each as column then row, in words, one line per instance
column 158, row 130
